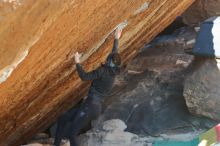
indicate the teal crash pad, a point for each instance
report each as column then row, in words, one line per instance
column 194, row 142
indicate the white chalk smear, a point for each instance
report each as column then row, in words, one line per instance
column 6, row 72
column 97, row 46
column 142, row 8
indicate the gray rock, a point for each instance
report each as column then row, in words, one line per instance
column 151, row 100
column 118, row 137
column 114, row 124
column 113, row 134
column 201, row 89
column 201, row 10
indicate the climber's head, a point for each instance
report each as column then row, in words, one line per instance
column 114, row 60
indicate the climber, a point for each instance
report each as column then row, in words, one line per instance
column 102, row 82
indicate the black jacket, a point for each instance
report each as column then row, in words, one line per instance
column 102, row 77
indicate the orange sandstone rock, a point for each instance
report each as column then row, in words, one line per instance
column 37, row 43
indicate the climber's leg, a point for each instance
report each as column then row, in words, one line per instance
column 87, row 112
column 62, row 122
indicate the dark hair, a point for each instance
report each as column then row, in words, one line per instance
column 116, row 59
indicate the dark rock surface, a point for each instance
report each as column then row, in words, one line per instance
column 201, row 89
column 201, row 10
column 149, row 95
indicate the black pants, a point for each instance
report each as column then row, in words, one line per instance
column 78, row 118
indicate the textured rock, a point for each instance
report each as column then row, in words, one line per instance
column 114, row 125
column 201, row 89
column 41, row 84
column 201, row 10
column 8, row 6
column 117, row 137
column 114, row 137
column 149, row 97
column 166, row 102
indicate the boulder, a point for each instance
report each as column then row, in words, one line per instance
column 201, row 88
column 113, row 134
column 114, row 124
column 150, row 97
column 38, row 40
column 200, row 10
column 117, row 137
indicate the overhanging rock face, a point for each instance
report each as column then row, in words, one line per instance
column 38, row 40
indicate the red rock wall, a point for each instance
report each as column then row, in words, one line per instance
column 45, row 83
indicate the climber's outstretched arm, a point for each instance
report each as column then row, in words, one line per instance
column 118, row 32
column 84, row 76
column 92, row 75
column 115, row 46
